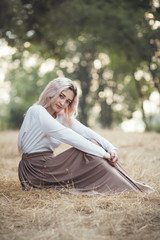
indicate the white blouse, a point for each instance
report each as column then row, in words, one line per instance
column 41, row 132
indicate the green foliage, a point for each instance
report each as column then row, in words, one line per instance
column 78, row 29
column 26, row 86
column 155, row 128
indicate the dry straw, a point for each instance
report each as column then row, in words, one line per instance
column 46, row 214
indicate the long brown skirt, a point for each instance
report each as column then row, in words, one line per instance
column 76, row 172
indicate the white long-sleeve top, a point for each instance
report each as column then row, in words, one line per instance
column 41, row 132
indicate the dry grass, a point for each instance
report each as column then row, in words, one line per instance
column 46, row 214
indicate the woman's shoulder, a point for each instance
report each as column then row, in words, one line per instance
column 35, row 110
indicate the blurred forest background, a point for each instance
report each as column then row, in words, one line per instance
column 111, row 48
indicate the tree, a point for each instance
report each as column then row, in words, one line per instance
column 26, row 85
column 124, row 30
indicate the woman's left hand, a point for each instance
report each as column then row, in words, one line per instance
column 114, row 158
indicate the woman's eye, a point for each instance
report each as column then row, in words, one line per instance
column 61, row 96
column 68, row 102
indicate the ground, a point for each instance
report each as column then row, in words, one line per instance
column 46, row 214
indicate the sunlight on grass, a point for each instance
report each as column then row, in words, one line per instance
column 47, row 214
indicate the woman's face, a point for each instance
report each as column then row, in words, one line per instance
column 64, row 99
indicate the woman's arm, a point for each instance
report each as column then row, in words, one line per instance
column 92, row 135
column 53, row 128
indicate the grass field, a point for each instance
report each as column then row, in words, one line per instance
column 46, row 214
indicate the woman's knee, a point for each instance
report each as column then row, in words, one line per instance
column 95, row 142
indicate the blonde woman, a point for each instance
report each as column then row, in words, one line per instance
column 89, row 167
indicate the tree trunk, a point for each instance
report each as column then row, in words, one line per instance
column 141, row 99
column 83, row 74
column 105, row 114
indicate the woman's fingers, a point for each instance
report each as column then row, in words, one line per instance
column 111, row 162
column 114, row 158
column 111, row 157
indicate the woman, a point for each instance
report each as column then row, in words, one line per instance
column 89, row 167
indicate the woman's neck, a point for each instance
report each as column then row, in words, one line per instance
column 51, row 112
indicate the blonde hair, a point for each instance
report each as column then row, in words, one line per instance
column 52, row 91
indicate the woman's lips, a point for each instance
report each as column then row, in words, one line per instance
column 59, row 107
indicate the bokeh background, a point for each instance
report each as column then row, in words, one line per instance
column 110, row 48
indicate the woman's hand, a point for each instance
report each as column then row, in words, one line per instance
column 107, row 156
column 112, row 157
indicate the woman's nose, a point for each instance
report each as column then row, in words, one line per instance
column 62, row 101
